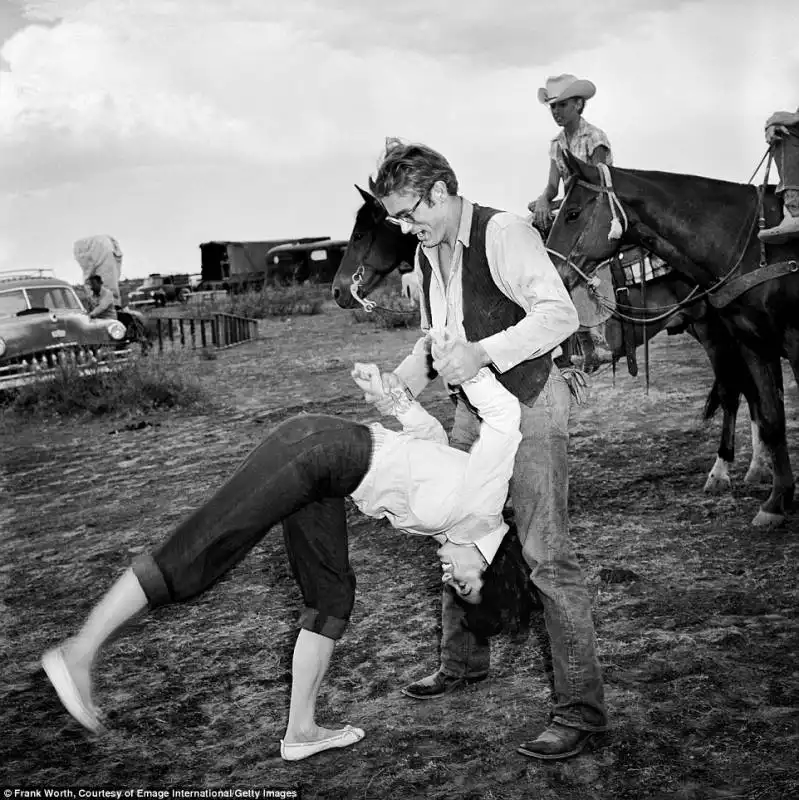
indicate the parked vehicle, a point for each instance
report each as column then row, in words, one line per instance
column 316, row 262
column 43, row 324
column 160, row 289
column 239, row 266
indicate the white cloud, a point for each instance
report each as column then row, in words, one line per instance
column 119, row 114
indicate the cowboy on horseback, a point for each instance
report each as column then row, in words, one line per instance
column 782, row 134
column 566, row 96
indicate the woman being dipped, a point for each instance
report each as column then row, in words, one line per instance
column 300, row 475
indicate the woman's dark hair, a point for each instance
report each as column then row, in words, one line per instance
column 508, row 598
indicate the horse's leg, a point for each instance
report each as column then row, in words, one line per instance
column 725, row 393
column 718, row 479
column 759, row 471
column 591, row 362
column 770, row 414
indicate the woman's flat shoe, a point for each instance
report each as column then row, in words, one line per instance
column 296, row 751
column 55, row 667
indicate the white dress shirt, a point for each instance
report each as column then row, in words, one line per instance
column 423, row 486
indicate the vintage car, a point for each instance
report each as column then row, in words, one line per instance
column 43, row 324
column 160, row 289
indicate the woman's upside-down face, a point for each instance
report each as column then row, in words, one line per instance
column 463, row 567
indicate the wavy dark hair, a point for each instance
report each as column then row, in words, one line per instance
column 411, row 167
column 508, row 597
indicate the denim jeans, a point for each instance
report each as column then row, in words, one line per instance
column 539, row 492
column 298, row 475
column 786, row 157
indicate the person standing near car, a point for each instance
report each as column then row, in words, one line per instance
column 101, row 255
column 100, row 299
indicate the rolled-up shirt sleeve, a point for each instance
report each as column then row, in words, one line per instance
column 523, row 271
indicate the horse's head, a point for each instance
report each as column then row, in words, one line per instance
column 375, row 249
column 589, row 224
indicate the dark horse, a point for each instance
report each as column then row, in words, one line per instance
column 376, row 248
column 706, row 230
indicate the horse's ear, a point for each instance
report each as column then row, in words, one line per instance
column 576, row 166
column 368, row 198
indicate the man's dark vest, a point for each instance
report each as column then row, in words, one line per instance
column 486, row 310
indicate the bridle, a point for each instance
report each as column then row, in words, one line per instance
column 619, row 226
column 369, row 305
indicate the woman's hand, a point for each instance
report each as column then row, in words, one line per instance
column 386, row 391
column 541, row 212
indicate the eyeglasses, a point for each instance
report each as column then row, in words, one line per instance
column 406, row 216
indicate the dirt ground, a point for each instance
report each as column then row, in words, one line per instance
column 696, row 612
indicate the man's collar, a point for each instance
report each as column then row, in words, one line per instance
column 465, row 227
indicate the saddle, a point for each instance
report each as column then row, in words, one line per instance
column 768, row 205
column 631, row 268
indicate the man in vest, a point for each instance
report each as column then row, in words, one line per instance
column 485, row 277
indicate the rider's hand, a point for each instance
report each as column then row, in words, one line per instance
column 783, row 118
column 775, row 132
column 541, row 212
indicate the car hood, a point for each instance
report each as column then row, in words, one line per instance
column 32, row 333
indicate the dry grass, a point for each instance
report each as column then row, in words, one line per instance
column 271, row 301
column 698, row 638
column 138, row 385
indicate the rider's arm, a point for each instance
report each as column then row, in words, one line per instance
column 553, row 182
column 522, row 270
column 601, row 155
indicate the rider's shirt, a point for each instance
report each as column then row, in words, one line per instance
column 582, row 144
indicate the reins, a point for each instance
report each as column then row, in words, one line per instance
column 619, row 228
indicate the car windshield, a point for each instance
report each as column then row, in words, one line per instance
column 53, row 297
column 11, row 302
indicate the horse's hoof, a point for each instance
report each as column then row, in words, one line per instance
column 717, row 485
column 758, row 474
column 767, row 519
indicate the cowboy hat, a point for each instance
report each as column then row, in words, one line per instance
column 562, row 87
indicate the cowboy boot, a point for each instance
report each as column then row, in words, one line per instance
column 789, row 227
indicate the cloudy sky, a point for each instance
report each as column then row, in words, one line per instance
column 167, row 123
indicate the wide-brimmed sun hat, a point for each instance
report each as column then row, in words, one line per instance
column 562, row 87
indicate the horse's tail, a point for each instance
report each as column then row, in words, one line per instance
column 713, row 401
column 731, row 377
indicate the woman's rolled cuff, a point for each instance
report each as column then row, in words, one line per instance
column 151, row 580
column 316, row 621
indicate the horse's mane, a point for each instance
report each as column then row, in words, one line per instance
column 670, row 180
